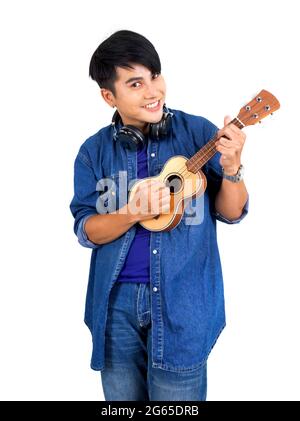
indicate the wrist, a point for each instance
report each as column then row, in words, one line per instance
column 232, row 170
column 235, row 177
column 133, row 216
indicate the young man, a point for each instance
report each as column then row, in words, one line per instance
column 155, row 304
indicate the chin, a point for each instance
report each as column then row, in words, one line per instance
column 155, row 118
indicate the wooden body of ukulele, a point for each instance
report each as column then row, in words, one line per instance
column 184, row 185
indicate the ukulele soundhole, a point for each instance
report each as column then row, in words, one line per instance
column 174, row 182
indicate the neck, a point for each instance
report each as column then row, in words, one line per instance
column 142, row 126
column 145, row 128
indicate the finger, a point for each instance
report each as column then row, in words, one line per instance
column 159, row 185
column 235, row 129
column 228, row 152
column 224, row 141
column 231, row 144
column 165, row 200
column 229, row 132
column 156, row 186
column 225, row 132
column 153, row 181
column 165, row 208
column 232, row 126
column 232, row 134
column 227, row 120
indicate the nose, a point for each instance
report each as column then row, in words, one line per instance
column 150, row 91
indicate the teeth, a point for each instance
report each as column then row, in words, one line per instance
column 153, row 105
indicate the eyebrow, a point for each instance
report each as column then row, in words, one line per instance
column 133, row 79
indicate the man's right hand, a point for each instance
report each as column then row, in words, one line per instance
column 150, row 199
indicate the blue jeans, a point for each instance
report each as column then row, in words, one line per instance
column 128, row 374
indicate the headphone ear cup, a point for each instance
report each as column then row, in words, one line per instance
column 131, row 137
column 160, row 129
column 165, row 125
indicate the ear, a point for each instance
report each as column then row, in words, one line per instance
column 108, row 97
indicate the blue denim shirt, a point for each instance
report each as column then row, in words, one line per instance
column 185, row 271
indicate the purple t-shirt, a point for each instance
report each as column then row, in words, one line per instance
column 137, row 264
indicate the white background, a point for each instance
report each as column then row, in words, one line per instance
column 215, row 57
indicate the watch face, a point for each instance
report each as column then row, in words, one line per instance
column 240, row 173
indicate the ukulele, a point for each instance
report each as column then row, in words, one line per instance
column 184, row 176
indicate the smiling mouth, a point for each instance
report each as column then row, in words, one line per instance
column 152, row 106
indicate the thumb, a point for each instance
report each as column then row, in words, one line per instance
column 227, row 120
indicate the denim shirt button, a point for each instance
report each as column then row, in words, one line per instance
column 154, row 251
column 153, row 155
column 155, row 289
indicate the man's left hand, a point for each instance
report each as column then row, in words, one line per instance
column 230, row 146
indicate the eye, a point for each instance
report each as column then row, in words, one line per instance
column 136, row 84
column 155, row 75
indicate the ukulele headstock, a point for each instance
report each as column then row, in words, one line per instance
column 258, row 108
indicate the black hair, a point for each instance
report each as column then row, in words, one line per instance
column 123, row 48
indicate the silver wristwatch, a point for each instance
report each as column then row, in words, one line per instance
column 237, row 177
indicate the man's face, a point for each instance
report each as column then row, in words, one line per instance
column 136, row 89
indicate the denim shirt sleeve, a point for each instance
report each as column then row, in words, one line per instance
column 222, row 218
column 82, row 236
column 83, row 204
column 215, row 178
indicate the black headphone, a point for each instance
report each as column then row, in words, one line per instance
column 132, row 138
